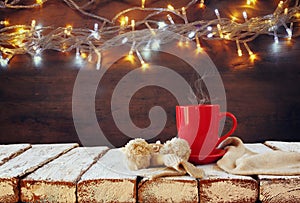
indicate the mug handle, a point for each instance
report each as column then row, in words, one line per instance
column 230, row 115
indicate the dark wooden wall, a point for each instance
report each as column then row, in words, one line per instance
column 36, row 103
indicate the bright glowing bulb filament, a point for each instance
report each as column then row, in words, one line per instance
column 40, row 2
column 143, row 3
column 201, row 5
column 68, row 30
column 170, row 7
column 239, row 48
column 249, row 2
column 33, row 23
column 132, row 25
column 183, row 11
column 170, row 19
column 143, row 63
column 4, row 22
column 245, row 15
column 218, row 15
column 286, row 10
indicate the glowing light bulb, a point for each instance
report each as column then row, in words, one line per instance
column 239, row 48
column 289, row 32
column 21, row 31
column 123, row 21
column 209, row 28
column 233, row 18
column 143, row 63
column 210, row 35
column 37, row 59
column 249, row 2
column 132, row 25
column 68, row 30
column 126, row 20
column 245, row 15
column 130, row 56
column 170, row 19
column 180, row 43
column 40, row 2
column 297, row 15
column 143, row 3
column 83, row 55
column 191, row 35
column 252, row 56
column 286, row 10
column 170, row 7
column 4, row 22
column 3, row 61
column 183, row 11
column 217, row 12
column 33, row 23
column 218, row 15
column 227, row 36
column 201, row 4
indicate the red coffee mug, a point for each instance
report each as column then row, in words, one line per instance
column 199, row 126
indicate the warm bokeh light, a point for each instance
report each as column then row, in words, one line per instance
column 170, row 7
column 201, row 4
column 123, row 21
column 253, row 57
column 4, row 22
column 144, row 65
column 143, row 3
column 251, row 2
column 40, row 2
column 130, row 58
column 83, row 55
column 68, row 30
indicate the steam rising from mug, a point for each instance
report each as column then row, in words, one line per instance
column 85, row 87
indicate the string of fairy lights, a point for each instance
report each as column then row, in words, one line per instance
column 147, row 33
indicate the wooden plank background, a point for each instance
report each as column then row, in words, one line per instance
column 36, row 103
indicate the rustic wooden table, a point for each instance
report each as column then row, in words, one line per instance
column 67, row 173
column 36, row 102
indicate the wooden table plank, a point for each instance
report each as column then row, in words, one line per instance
column 8, row 152
column 284, row 146
column 279, row 189
column 219, row 186
column 25, row 163
column 56, row 181
column 276, row 189
column 108, row 180
column 168, row 189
